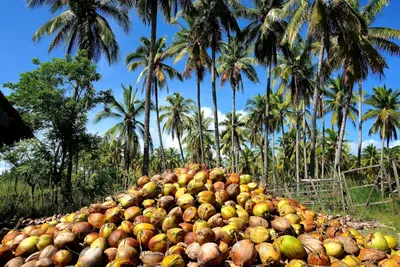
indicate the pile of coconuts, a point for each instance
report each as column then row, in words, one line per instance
column 196, row 217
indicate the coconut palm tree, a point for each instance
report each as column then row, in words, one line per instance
column 175, row 115
column 187, row 43
column 336, row 97
column 213, row 17
column 386, row 114
column 381, row 38
column 232, row 140
column 140, row 58
column 173, row 158
column 128, row 129
column 83, row 25
column 370, row 155
column 147, row 11
column 295, row 74
column 234, row 63
column 266, row 31
column 248, row 161
column 192, row 139
column 255, row 123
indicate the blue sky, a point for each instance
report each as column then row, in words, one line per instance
column 17, row 51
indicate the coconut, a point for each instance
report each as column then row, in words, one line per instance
column 185, row 201
column 205, row 235
column 190, row 215
column 16, row 262
column 239, row 223
column 371, row 255
column 90, row 257
column 144, row 237
column 296, row 263
column 159, row 243
column 268, row 253
column 27, row 247
column 62, row 258
column 90, row 238
column 141, row 219
column 349, row 245
column 377, row 241
column 44, row 240
column 209, row 255
column 351, row 261
column 184, row 179
column 166, row 202
column 229, row 234
column 259, row 234
column 290, row 247
column 216, row 221
column 169, row 222
column 128, row 254
column 228, row 212
column 261, row 209
column 148, row 203
column 310, row 243
column 97, row 220
column 116, row 236
column 110, row 255
column 127, row 226
column 195, row 186
column 44, row 263
column 243, row 253
column 151, row 259
column 143, row 226
column 129, row 241
column 131, row 213
column 171, row 178
column 192, row 251
column 206, row 197
column 319, row 259
column 245, row 179
column 205, row 211
column 169, row 189
column 216, row 175
column 333, row 247
column 48, row 252
column 176, row 235
column 100, row 242
column 149, row 190
column 173, row 261
column 280, row 224
column 392, row 242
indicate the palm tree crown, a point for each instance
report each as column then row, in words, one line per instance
column 84, row 25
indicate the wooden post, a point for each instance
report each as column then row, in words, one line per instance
column 396, row 177
column 350, row 200
column 376, row 183
column 337, row 175
column 393, row 196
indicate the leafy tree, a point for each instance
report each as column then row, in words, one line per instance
column 55, row 99
column 140, row 58
column 83, row 25
column 187, row 43
column 128, row 130
column 175, row 116
column 234, row 62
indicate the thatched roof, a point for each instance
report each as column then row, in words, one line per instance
column 12, row 127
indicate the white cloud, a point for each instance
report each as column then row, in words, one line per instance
column 377, row 143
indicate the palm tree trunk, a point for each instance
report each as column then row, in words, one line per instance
column 305, row 142
column 323, row 143
column 266, row 148
column 214, row 98
column 283, row 145
column 149, row 79
column 199, row 120
column 343, row 127
column 233, row 127
column 273, row 159
column 314, row 108
column 360, row 101
column 382, row 163
column 297, row 147
column 158, row 125
column 180, row 148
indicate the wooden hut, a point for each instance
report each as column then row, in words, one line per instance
column 12, row 127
